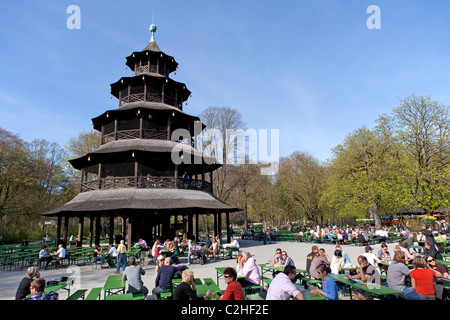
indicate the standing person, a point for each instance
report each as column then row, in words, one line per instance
column 186, row 289
column 422, row 279
column 337, row 262
column 250, row 270
column 37, row 287
column 234, row 289
column 133, row 274
column 329, row 288
column 310, row 257
column 24, row 286
column 282, row 286
column 122, row 257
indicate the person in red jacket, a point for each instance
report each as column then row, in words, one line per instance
column 234, row 289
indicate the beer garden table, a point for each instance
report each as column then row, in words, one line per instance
column 373, row 289
column 114, row 282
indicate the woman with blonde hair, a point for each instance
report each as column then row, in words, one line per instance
column 24, row 286
column 186, row 289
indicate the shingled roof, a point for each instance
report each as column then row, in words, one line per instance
column 142, row 199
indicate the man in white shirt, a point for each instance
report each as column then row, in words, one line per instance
column 60, row 255
column 372, row 258
column 233, row 244
column 112, row 255
column 282, row 287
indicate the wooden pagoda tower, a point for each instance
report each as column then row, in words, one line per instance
column 131, row 175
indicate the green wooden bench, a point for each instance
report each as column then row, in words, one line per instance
column 166, row 295
column 77, row 294
column 254, row 296
column 138, row 296
column 127, row 296
column 266, row 280
column 94, row 294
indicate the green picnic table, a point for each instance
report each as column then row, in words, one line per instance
column 114, row 285
column 373, row 289
column 203, row 288
column 307, row 294
column 268, row 268
column 126, row 296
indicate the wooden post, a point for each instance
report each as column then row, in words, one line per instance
column 169, row 123
column 215, row 224
column 196, row 227
column 97, row 230
column 129, row 233
column 99, row 176
column 228, row 227
column 66, row 230
column 58, row 231
column 80, row 231
column 91, row 229
column 111, row 229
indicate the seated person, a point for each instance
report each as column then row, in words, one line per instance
column 250, row 270
column 282, row 286
column 37, row 287
column 186, row 289
column 112, row 255
column 133, row 274
column 43, row 256
column 329, row 288
column 367, row 273
column 163, row 281
column 234, row 289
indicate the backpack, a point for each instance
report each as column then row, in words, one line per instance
column 49, row 295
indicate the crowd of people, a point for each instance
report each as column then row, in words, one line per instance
column 414, row 274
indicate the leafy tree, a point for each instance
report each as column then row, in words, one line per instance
column 299, row 187
column 423, row 126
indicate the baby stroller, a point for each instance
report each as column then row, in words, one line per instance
column 198, row 256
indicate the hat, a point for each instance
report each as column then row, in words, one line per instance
column 368, row 248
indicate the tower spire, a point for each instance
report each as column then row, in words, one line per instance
column 153, row 27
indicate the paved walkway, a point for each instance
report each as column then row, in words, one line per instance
column 87, row 278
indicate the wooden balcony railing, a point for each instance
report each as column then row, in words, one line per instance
column 150, row 97
column 151, row 182
column 135, row 134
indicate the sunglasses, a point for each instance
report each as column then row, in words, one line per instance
column 430, row 260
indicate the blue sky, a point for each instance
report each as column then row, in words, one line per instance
column 311, row 69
